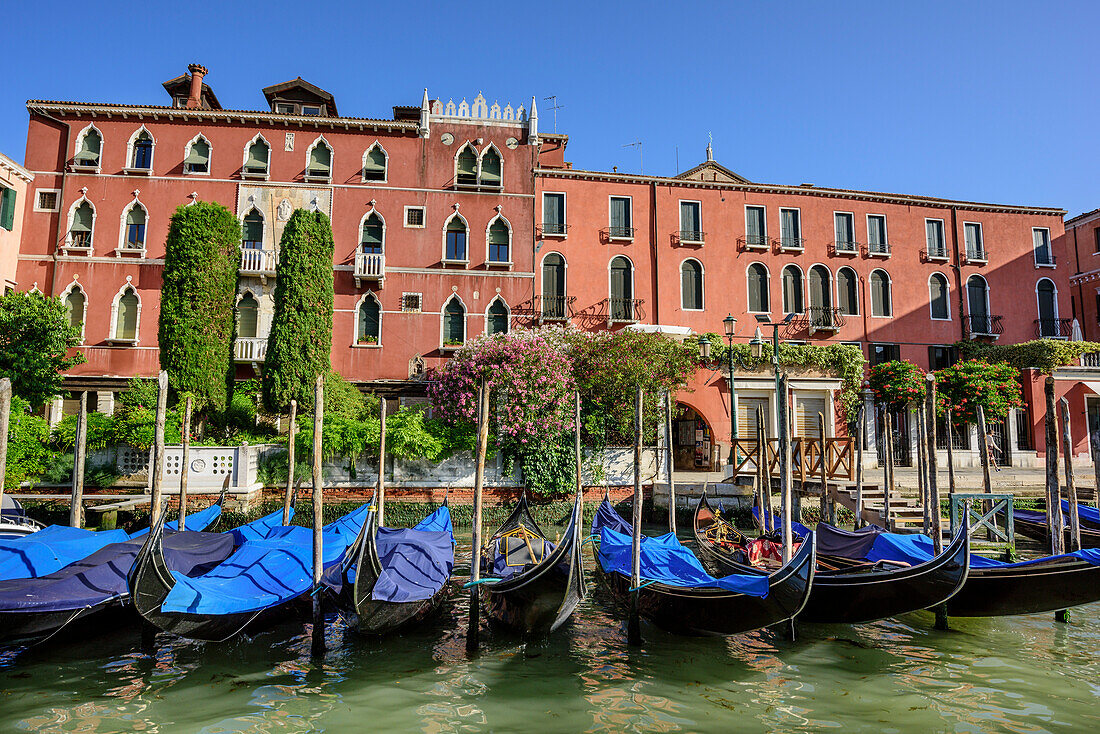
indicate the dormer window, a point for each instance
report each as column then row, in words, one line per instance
column 198, row 157
column 91, row 145
column 319, row 164
column 286, row 108
column 256, row 159
column 311, row 110
column 374, row 164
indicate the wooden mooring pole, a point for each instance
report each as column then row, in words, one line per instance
column 156, row 489
column 185, row 461
column 318, row 639
column 292, row 431
column 828, row 507
column 888, row 467
column 473, row 629
column 922, row 473
column 861, row 436
column 1071, row 487
column 633, row 625
column 380, row 493
column 76, row 508
column 1055, row 521
column 785, row 474
column 935, row 518
column 5, row 416
column 763, row 477
column 669, row 469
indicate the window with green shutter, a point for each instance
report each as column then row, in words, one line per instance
column 553, row 213
column 756, row 232
column 792, row 290
column 490, row 169
column 248, row 317
column 622, row 289
column 74, row 307
column 253, row 231
column 553, row 286
column 198, row 157
column 257, row 158
column 374, row 164
column 466, row 167
column 937, row 246
column 690, row 222
column 454, row 323
column 127, row 317
column 846, row 294
column 498, row 318
column 320, row 160
column 372, row 235
column 938, row 296
column 90, row 146
column 790, row 229
column 369, row 322
column 691, row 285
column 81, row 231
column 1041, row 241
column 880, row 294
column 844, row 224
column 758, row 289
column 143, row 152
column 7, row 208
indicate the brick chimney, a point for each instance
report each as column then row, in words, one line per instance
column 194, row 98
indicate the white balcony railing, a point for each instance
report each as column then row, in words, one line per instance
column 258, row 262
column 250, row 349
column 370, row 265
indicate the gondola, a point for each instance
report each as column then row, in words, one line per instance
column 994, row 588
column 849, row 595
column 265, row 580
column 679, row 596
column 1033, row 525
column 56, row 546
column 95, row 585
column 531, row 584
column 394, row 578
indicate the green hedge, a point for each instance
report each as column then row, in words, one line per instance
column 1045, row 355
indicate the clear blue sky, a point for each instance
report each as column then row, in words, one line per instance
column 993, row 101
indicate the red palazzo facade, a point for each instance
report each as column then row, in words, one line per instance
column 455, row 220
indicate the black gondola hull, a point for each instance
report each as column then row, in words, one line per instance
column 1037, row 530
column 1032, row 589
column 718, row 612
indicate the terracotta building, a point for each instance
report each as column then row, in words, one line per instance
column 453, row 220
column 14, row 180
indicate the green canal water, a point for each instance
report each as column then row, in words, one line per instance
column 1021, row 674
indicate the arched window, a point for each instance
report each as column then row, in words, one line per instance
column 466, row 166
column 496, row 320
column 500, row 238
column 75, row 303
column 821, row 287
column 456, row 232
column 939, row 296
column 319, row 162
column 759, row 300
column 134, row 232
column 127, row 307
column 248, row 317
column 197, row 159
column 371, row 240
column 490, row 168
column 847, row 294
column 369, row 328
column 792, row 290
column 83, row 222
column 374, row 164
column 977, row 304
column 257, row 157
column 89, row 149
column 454, row 323
column 1048, row 308
column 691, row 285
column 622, row 289
column 141, row 150
column 553, row 287
column 253, row 231
column 881, row 303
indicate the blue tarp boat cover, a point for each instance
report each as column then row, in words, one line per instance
column 415, row 561
column 916, row 548
column 664, row 559
column 1090, row 514
column 101, row 576
column 263, row 572
column 258, row 529
column 52, row 548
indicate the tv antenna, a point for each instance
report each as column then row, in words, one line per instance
column 637, row 144
column 555, row 107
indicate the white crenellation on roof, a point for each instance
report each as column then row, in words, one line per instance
column 479, row 112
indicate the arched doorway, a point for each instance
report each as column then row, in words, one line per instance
column 692, row 440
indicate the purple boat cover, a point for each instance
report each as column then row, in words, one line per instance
column 101, row 576
column 416, row 561
column 51, row 549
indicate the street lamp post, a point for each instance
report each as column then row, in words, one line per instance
column 781, row 424
column 756, row 345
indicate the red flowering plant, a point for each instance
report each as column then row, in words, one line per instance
column 897, row 383
column 966, row 385
column 529, row 376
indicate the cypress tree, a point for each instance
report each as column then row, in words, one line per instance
column 196, row 302
column 300, row 342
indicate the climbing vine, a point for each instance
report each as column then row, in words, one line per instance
column 1044, row 355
